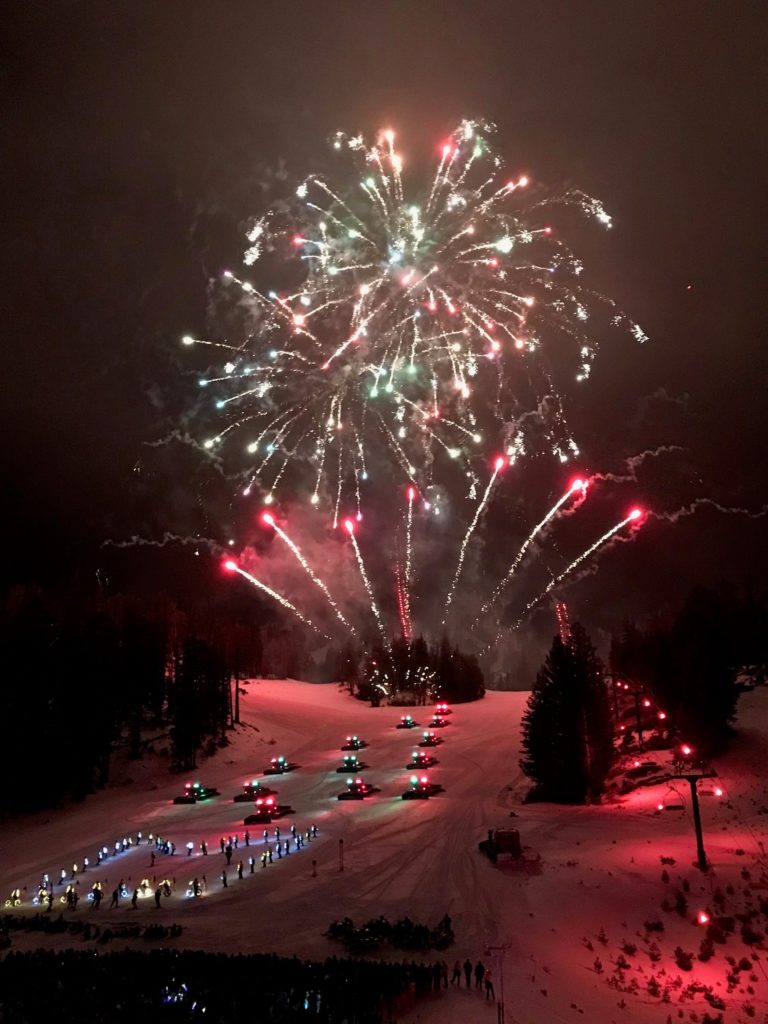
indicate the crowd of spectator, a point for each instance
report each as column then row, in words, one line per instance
column 57, row 925
column 404, row 934
column 169, row 985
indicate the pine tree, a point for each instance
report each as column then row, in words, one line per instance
column 567, row 735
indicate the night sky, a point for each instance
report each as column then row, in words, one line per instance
column 135, row 137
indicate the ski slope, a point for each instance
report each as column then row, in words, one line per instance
column 600, row 866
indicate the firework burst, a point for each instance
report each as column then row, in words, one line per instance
column 417, row 327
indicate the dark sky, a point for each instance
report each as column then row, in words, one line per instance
column 133, row 133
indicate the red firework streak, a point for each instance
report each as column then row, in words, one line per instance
column 406, row 625
column 563, row 623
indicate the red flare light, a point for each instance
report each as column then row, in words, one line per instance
column 578, row 485
column 662, row 715
column 499, row 464
column 686, row 750
column 230, row 566
column 268, row 518
column 636, row 513
column 349, row 526
column 411, row 493
column 702, row 917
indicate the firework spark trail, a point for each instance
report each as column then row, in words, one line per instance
column 269, row 519
column 577, row 485
column 349, row 526
column 408, row 551
column 406, row 626
column 633, row 516
column 231, row 566
column 497, row 467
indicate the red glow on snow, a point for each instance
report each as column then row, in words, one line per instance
column 230, row 566
column 349, row 526
column 702, row 917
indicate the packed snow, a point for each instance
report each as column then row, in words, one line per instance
column 558, row 922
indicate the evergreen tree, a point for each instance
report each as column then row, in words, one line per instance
column 566, row 729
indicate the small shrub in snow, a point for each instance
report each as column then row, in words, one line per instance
column 629, row 948
column 667, row 860
column 654, row 925
column 681, row 904
column 683, row 959
column 706, row 949
column 749, row 936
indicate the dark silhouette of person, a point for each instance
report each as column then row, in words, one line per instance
column 115, row 898
column 479, row 972
column 228, row 853
column 468, row 972
column 135, row 898
column 456, row 976
column 158, row 894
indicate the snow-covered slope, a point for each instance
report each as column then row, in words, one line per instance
column 599, row 876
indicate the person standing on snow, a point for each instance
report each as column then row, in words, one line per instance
column 489, row 993
column 468, row 972
column 456, row 976
column 479, row 972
